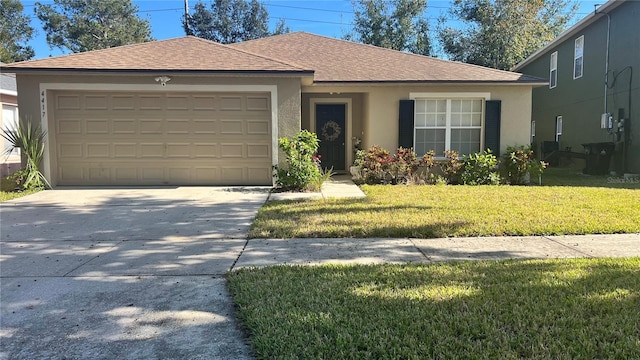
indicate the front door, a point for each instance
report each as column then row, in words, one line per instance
column 331, row 129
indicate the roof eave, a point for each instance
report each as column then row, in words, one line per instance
column 429, row 82
column 25, row 70
column 588, row 20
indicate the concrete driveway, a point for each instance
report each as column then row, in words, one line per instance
column 122, row 273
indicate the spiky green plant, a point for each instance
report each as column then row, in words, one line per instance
column 30, row 140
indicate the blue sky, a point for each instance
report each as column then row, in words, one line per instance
column 323, row 17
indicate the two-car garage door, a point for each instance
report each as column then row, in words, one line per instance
column 157, row 138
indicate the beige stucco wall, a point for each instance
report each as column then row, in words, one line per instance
column 381, row 103
column 288, row 94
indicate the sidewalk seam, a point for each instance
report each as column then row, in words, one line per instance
column 568, row 247
column 90, row 260
column 241, row 252
column 420, row 250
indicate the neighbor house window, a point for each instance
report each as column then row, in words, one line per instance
column 578, row 57
column 558, row 128
column 448, row 124
column 553, row 70
column 9, row 122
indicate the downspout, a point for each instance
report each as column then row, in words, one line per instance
column 606, row 59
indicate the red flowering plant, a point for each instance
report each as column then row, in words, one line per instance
column 379, row 166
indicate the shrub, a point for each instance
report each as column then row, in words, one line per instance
column 30, row 139
column 451, row 167
column 303, row 170
column 519, row 161
column 480, row 168
column 379, row 166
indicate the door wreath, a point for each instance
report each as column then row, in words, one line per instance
column 331, row 130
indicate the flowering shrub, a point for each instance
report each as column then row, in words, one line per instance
column 379, row 166
column 303, row 171
column 519, row 161
column 451, row 167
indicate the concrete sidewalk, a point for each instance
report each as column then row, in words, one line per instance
column 339, row 186
column 264, row 252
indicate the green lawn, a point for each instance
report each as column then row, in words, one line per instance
column 542, row 309
column 442, row 211
column 10, row 195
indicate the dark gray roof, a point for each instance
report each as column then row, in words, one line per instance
column 7, row 82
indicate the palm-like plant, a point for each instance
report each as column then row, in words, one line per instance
column 30, row 139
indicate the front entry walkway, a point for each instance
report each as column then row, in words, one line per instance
column 338, row 187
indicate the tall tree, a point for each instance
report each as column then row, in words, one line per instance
column 501, row 33
column 231, row 21
column 84, row 25
column 15, row 32
column 393, row 24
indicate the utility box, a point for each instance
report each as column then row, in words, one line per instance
column 598, row 157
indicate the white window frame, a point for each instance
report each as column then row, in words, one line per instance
column 553, row 70
column 577, row 56
column 558, row 128
column 10, row 121
column 448, row 97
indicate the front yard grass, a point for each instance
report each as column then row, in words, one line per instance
column 445, row 211
column 10, row 195
column 543, row 309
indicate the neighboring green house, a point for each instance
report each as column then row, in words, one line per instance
column 571, row 110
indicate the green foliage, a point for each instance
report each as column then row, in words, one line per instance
column 31, row 140
column 395, row 24
column 510, row 309
column 379, row 166
column 15, row 32
column 502, row 33
column 84, row 25
column 451, row 167
column 231, row 21
column 303, row 170
column 518, row 162
column 480, row 168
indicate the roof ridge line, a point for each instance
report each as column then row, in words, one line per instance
column 399, row 51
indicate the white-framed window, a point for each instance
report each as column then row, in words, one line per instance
column 558, row 128
column 448, row 124
column 9, row 122
column 553, row 70
column 578, row 58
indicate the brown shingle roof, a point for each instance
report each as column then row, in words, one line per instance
column 180, row 54
column 343, row 61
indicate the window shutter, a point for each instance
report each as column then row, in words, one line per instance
column 405, row 122
column 492, row 126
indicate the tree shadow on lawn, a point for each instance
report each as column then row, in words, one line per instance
column 340, row 217
column 582, row 308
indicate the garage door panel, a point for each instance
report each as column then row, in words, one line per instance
column 96, row 102
column 124, row 126
column 69, row 126
column 68, row 102
column 97, row 126
column 99, row 150
column 120, row 138
column 125, row 150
